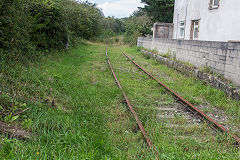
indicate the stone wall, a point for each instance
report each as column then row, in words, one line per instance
column 221, row 57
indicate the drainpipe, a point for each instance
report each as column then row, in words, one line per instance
column 185, row 21
column 177, row 26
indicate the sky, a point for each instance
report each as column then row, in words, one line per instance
column 118, row 8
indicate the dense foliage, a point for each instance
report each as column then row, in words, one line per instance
column 111, row 27
column 114, row 24
column 159, row 10
column 32, row 27
column 27, row 26
column 138, row 24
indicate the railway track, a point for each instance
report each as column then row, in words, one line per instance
column 196, row 113
column 150, row 144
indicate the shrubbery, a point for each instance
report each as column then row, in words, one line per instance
column 112, row 27
column 28, row 27
column 138, row 24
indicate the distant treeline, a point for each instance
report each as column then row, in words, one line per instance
column 28, row 27
column 141, row 21
column 138, row 24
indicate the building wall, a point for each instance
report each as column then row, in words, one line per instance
column 221, row 24
column 222, row 57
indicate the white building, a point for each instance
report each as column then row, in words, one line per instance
column 207, row 20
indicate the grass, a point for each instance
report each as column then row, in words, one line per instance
column 189, row 87
column 145, row 93
column 90, row 121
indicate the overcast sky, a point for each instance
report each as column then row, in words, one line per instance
column 118, row 8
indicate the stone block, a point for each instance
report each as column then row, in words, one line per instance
column 222, row 62
column 234, row 45
column 207, row 55
column 210, row 63
column 223, row 45
column 222, row 58
column 227, row 74
column 232, row 53
column 189, row 47
column 236, row 62
column 230, row 68
column 222, row 52
column 235, row 77
column 214, row 64
column 211, row 57
column 196, row 54
column 229, row 60
column 216, row 58
column 196, row 48
column 185, row 47
column 238, row 54
column 212, row 50
column 222, row 66
column 218, row 44
column 201, row 55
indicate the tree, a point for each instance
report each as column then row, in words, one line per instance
column 159, row 10
column 114, row 24
column 138, row 24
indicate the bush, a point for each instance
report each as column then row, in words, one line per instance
column 49, row 30
column 15, row 27
column 137, row 25
column 30, row 26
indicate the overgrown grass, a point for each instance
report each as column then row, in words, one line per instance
column 189, row 87
column 90, row 121
column 87, row 102
column 193, row 86
column 146, row 95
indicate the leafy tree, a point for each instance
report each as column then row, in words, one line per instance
column 114, row 24
column 159, row 10
column 83, row 19
column 138, row 24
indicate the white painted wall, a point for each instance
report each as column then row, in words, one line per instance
column 221, row 24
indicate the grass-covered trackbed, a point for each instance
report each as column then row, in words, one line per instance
column 90, row 119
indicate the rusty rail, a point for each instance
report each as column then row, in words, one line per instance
column 191, row 106
column 150, row 144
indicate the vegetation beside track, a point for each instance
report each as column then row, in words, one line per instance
column 192, row 89
column 89, row 119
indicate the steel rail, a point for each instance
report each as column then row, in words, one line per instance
column 191, row 106
column 150, row 144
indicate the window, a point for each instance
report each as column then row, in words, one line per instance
column 181, row 29
column 214, row 4
column 194, row 29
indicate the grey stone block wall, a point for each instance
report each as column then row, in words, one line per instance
column 221, row 57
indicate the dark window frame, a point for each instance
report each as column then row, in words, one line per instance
column 212, row 5
column 181, row 27
column 193, row 29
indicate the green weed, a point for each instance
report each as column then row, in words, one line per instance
column 89, row 119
